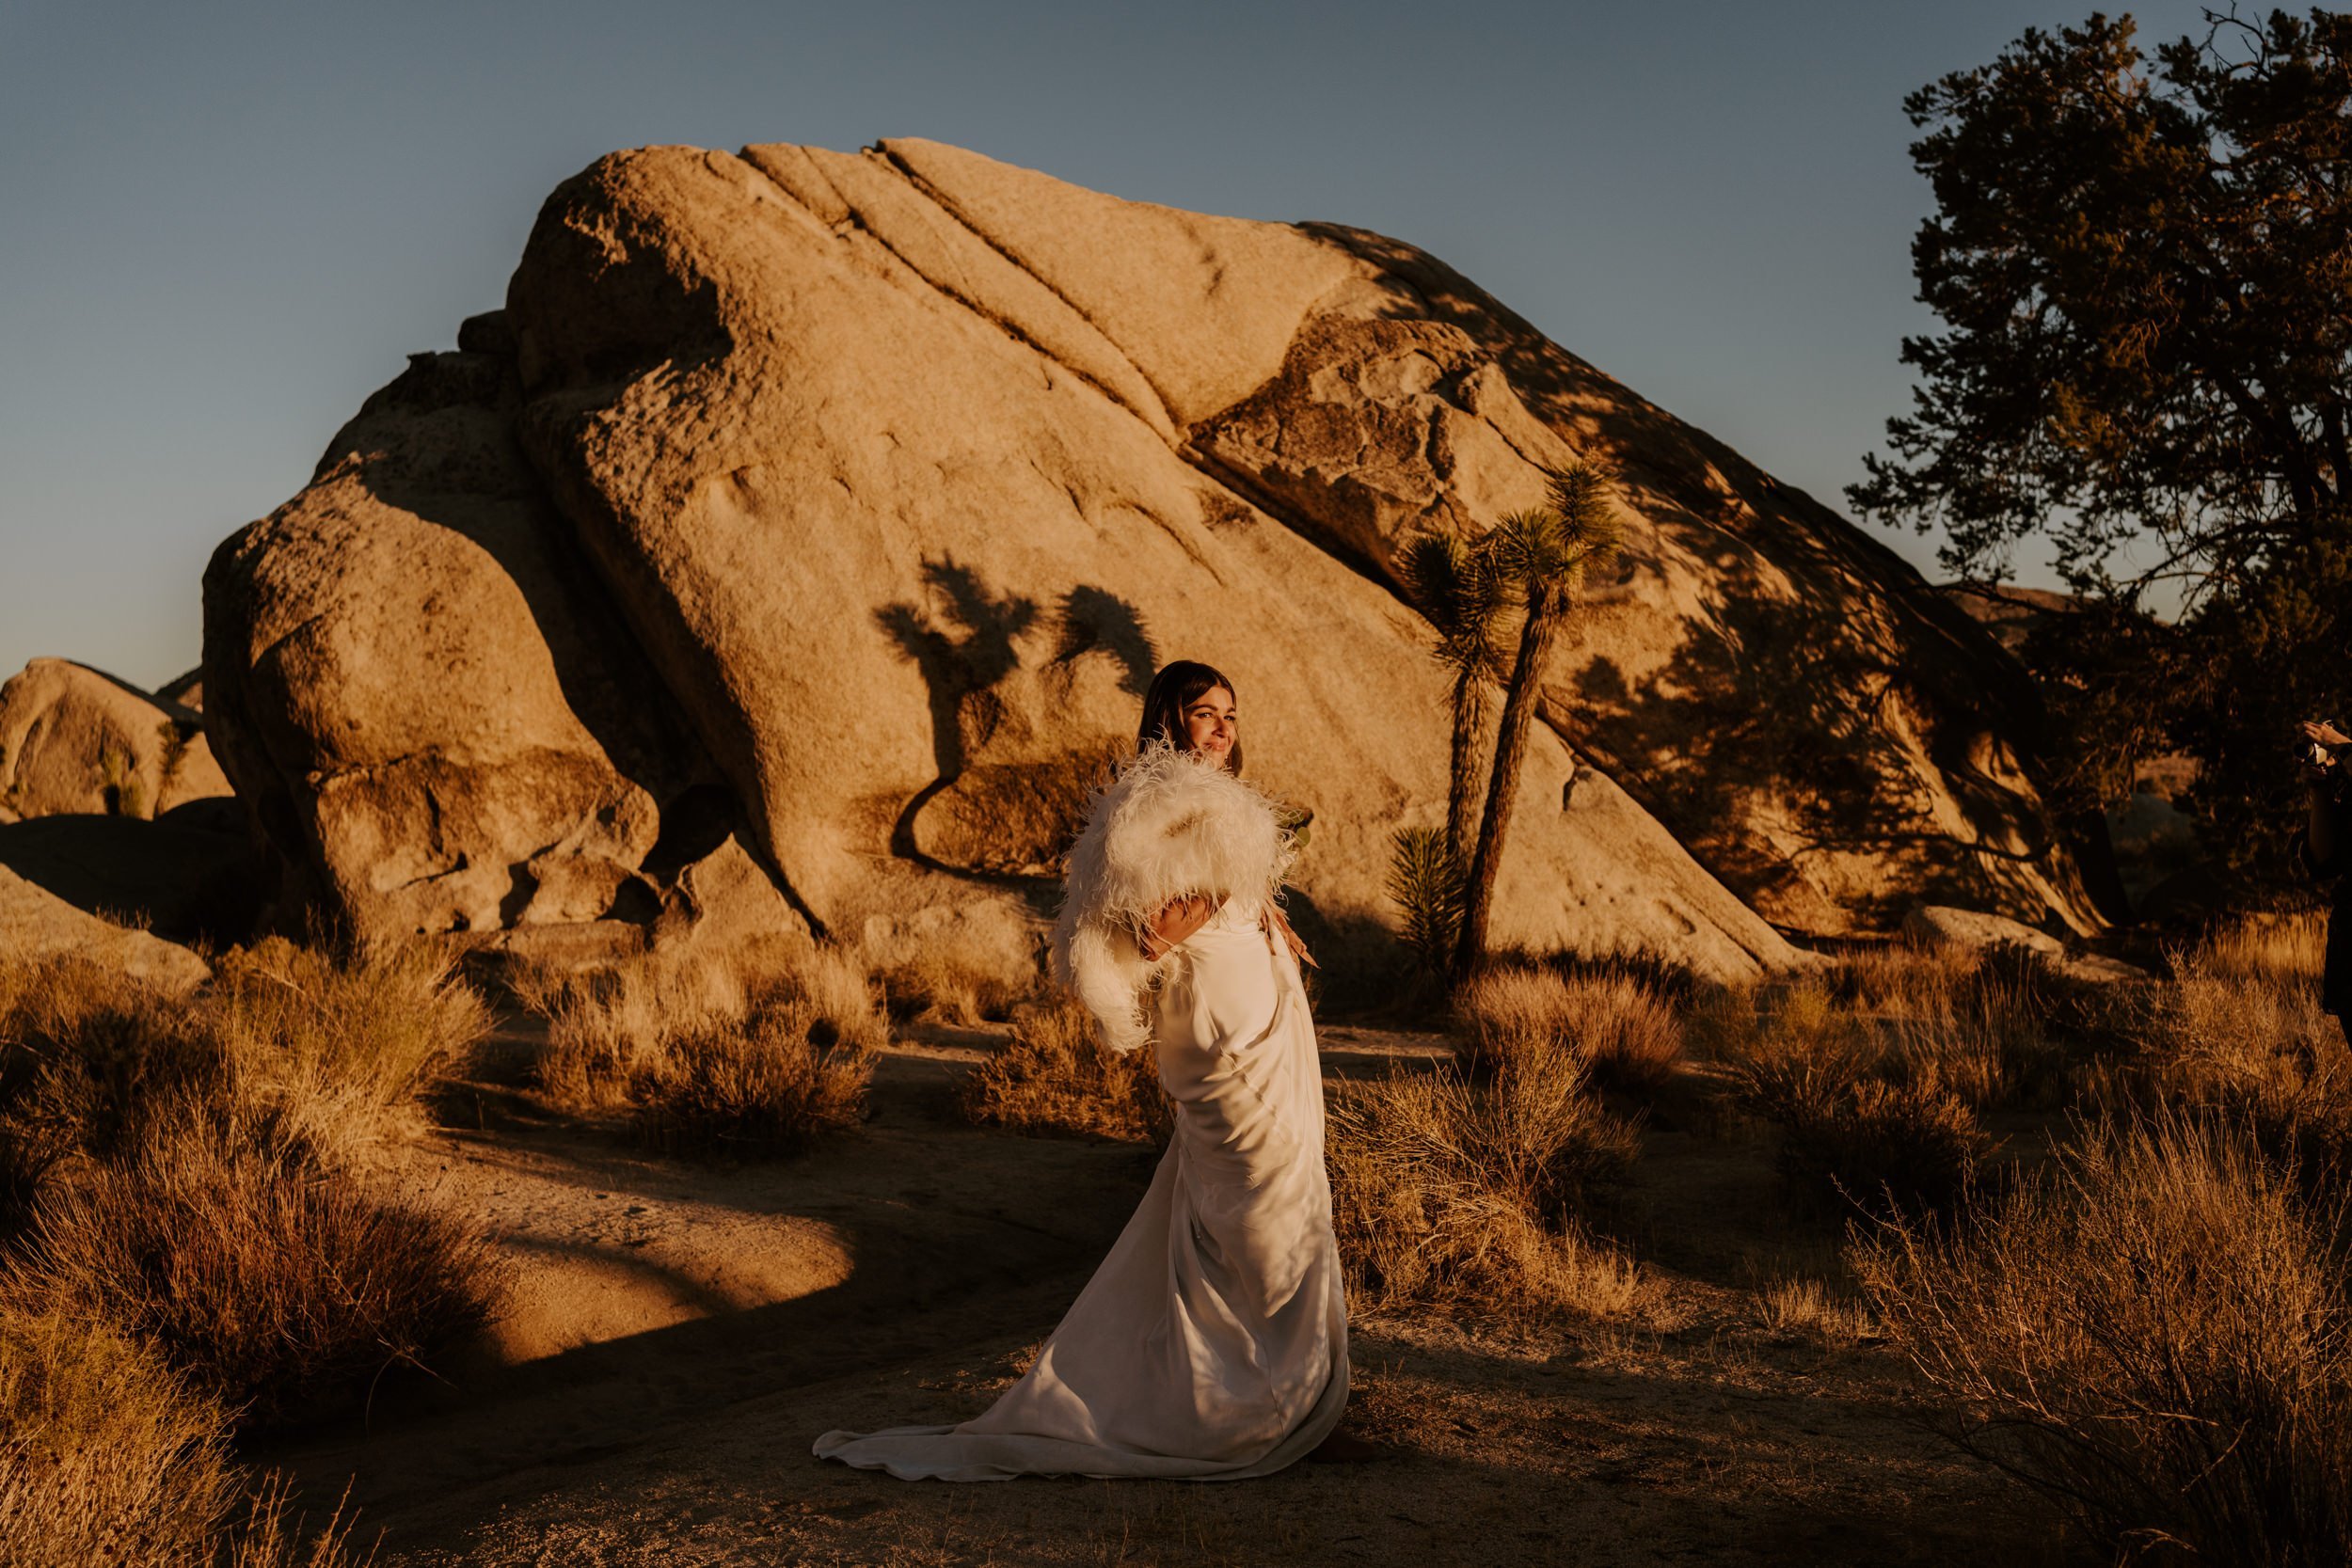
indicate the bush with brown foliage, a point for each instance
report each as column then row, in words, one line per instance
column 278, row 1285
column 1469, row 1193
column 2157, row 1333
column 87, row 1054
column 1055, row 1075
column 716, row 1052
column 333, row 1046
column 339, row 1040
column 189, row 1166
column 770, row 1084
column 1622, row 1028
column 940, row 987
column 2240, row 1031
column 108, row 1456
column 1874, row 1112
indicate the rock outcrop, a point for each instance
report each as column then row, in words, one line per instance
column 37, row 924
column 75, row 740
column 810, row 523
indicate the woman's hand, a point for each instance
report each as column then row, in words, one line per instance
column 2321, row 773
column 1176, row 920
column 1272, row 923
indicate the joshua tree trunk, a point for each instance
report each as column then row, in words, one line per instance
column 1469, row 735
column 1547, row 610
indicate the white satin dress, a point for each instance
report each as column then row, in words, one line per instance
column 1212, row 1343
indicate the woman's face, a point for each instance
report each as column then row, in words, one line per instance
column 1212, row 725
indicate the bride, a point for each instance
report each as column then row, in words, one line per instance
column 1212, row 1343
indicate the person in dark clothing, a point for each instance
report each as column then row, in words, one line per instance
column 2326, row 854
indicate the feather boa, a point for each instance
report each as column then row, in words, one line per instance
column 1168, row 825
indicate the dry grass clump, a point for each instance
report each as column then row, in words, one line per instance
column 188, row 1242
column 1806, row 1305
column 279, row 1286
column 2155, row 1333
column 85, row 1054
column 1055, row 1075
column 1627, row 1035
column 2241, row 1031
column 712, row 1055
column 1995, row 1027
column 1872, row 1113
column 1471, row 1195
column 607, row 1022
column 335, row 1049
column 770, row 1084
column 940, row 988
column 105, row 1454
column 2286, row 949
column 341, row 1043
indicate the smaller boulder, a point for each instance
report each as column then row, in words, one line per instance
column 76, row 741
column 37, row 924
column 1941, row 926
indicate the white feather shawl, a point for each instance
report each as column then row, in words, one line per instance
column 1168, row 825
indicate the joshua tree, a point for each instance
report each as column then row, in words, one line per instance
column 1464, row 596
column 1459, row 590
column 1540, row 553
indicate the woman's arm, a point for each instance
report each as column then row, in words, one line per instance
column 1177, row 919
column 1275, row 924
column 2323, row 836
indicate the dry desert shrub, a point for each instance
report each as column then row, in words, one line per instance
column 2155, row 1333
column 717, row 1052
column 606, row 1023
column 1995, row 1027
column 340, row 1041
column 2241, row 1031
column 1624, row 1031
column 106, row 1455
column 1864, row 1119
column 334, row 1048
column 770, row 1084
column 1470, row 1194
column 1806, row 1304
column 87, row 1052
column 2286, row 948
column 938, row 984
column 278, row 1285
column 1055, row 1075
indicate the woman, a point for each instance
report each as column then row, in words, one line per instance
column 1212, row 1343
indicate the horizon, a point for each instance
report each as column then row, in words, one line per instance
column 227, row 233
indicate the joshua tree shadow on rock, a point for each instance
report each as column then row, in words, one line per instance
column 963, row 639
column 1096, row 620
column 964, row 651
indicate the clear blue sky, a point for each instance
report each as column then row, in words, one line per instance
column 222, row 225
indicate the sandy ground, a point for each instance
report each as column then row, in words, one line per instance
column 677, row 1333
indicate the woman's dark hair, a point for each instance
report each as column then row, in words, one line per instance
column 1176, row 688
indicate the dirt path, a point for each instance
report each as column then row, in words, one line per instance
column 685, row 1332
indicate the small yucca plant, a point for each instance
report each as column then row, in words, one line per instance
column 1425, row 879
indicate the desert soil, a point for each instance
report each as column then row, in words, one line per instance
column 677, row 1333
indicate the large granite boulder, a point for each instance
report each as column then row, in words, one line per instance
column 75, row 740
column 844, row 503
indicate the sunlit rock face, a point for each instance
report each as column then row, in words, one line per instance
column 811, row 522
column 76, row 741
